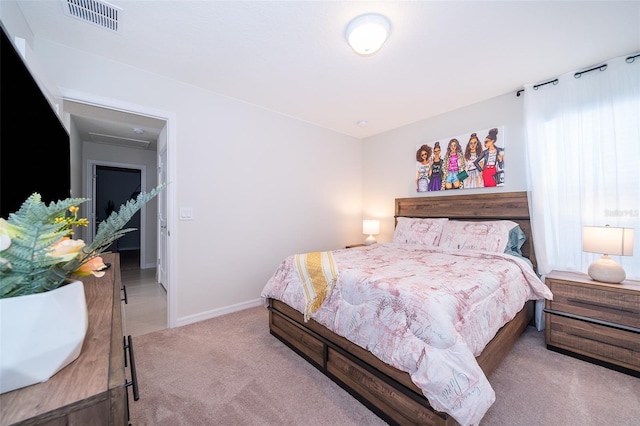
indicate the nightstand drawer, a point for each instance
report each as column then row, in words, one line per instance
column 600, row 303
column 597, row 341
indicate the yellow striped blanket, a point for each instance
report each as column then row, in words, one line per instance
column 318, row 273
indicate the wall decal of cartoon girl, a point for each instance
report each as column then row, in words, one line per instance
column 471, row 153
column 423, row 157
column 491, row 162
column 454, row 163
column 435, row 172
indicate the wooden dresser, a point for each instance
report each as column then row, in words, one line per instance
column 595, row 321
column 91, row 390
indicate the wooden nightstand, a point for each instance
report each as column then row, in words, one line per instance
column 594, row 321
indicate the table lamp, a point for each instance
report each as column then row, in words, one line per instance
column 607, row 240
column 370, row 227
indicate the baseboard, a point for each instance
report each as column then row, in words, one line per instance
column 190, row 319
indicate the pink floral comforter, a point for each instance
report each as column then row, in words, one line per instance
column 428, row 312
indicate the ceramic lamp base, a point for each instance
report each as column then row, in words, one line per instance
column 606, row 270
column 370, row 240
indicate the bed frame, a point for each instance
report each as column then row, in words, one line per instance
column 385, row 390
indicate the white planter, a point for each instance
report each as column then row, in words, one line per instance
column 40, row 334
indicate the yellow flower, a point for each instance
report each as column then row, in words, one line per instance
column 94, row 267
column 66, row 249
column 74, row 209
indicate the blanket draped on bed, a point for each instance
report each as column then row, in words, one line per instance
column 318, row 273
column 426, row 311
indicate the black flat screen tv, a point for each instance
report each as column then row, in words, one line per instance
column 34, row 145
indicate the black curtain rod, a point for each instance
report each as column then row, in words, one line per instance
column 599, row 67
column 535, row 87
column 628, row 59
column 554, row 82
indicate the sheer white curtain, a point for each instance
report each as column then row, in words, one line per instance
column 583, row 148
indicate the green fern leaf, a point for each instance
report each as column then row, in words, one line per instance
column 26, row 264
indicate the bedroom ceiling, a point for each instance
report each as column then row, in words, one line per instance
column 292, row 56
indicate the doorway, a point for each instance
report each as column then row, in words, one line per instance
column 114, row 186
column 102, row 136
column 114, row 183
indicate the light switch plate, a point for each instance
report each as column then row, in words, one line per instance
column 186, row 213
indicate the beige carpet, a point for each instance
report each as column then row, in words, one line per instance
column 230, row 371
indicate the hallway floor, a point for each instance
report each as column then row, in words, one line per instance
column 146, row 310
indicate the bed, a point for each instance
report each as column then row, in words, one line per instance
column 388, row 391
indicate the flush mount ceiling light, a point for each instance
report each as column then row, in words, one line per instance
column 367, row 33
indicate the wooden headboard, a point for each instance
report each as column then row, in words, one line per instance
column 512, row 206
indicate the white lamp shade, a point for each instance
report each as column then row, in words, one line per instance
column 367, row 33
column 608, row 240
column 370, row 227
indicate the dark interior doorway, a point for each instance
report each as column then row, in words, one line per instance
column 114, row 187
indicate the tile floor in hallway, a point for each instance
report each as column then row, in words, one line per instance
column 146, row 310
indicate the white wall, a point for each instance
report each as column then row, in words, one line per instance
column 389, row 158
column 261, row 185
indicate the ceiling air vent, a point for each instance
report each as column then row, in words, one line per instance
column 95, row 12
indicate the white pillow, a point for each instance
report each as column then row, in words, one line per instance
column 491, row 236
column 419, row 231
